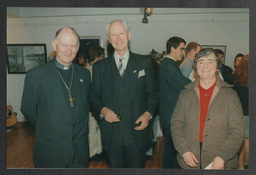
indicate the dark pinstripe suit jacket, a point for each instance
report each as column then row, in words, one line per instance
column 140, row 94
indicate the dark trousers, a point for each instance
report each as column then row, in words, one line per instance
column 169, row 155
column 75, row 164
column 124, row 153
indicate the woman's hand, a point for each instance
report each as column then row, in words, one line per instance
column 190, row 159
column 218, row 163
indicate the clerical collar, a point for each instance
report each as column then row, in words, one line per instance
column 60, row 66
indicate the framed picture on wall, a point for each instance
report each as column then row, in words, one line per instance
column 221, row 47
column 86, row 42
column 23, row 57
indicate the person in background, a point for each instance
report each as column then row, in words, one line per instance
column 124, row 93
column 187, row 64
column 96, row 53
column 51, row 56
column 110, row 49
column 225, row 70
column 207, row 124
column 241, row 86
column 231, row 78
column 55, row 101
column 156, row 58
column 238, row 59
column 82, row 59
column 171, row 82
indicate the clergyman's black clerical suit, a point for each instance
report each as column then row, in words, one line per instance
column 61, row 138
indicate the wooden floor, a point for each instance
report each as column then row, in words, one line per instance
column 20, row 140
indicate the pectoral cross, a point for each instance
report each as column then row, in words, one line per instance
column 70, row 99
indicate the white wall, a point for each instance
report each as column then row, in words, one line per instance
column 229, row 29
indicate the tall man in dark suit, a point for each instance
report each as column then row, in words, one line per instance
column 55, row 101
column 124, row 93
column 171, row 82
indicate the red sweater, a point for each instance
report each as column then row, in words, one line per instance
column 205, row 97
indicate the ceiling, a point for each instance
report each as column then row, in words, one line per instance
column 38, row 12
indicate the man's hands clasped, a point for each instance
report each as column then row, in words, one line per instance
column 111, row 117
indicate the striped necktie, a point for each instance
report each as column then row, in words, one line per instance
column 120, row 66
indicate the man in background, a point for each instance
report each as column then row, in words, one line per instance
column 225, row 70
column 187, row 64
column 171, row 82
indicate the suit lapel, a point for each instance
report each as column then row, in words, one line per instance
column 110, row 73
column 131, row 72
column 130, row 75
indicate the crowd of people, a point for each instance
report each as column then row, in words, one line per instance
column 109, row 104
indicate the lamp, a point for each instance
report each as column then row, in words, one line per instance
column 147, row 12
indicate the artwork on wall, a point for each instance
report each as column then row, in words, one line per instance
column 221, row 47
column 23, row 57
column 86, row 42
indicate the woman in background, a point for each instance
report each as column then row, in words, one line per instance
column 241, row 86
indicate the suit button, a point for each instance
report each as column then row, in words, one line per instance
column 208, row 119
column 206, row 135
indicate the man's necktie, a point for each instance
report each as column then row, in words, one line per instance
column 120, row 66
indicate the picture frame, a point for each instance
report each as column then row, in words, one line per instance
column 23, row 57
column 86, row 42
column 221, row 47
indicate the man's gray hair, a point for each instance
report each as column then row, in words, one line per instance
column 118, row 20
